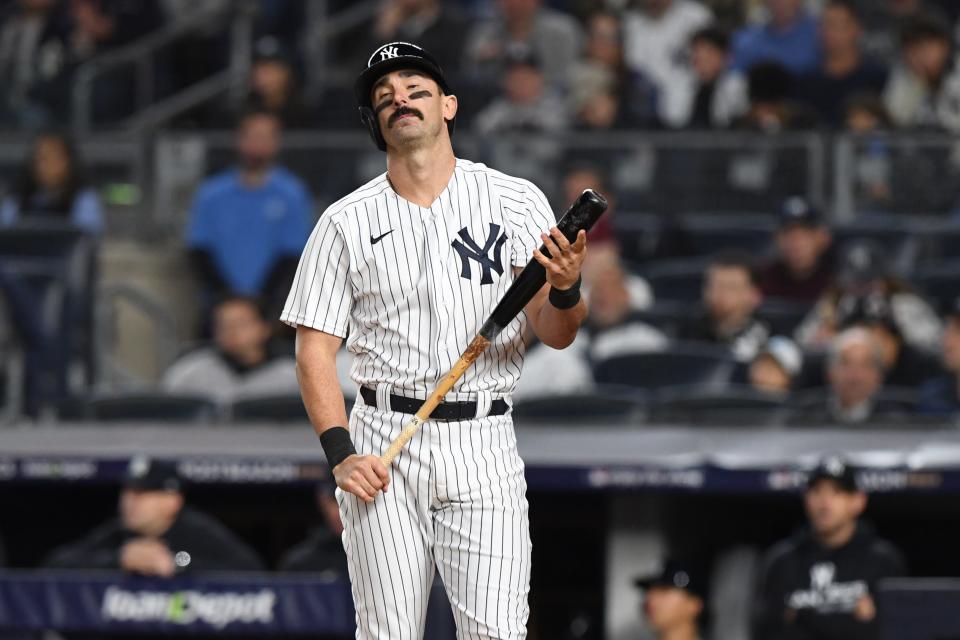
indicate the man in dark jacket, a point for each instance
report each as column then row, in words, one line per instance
column 803, row 267
column 156, row 533
column 819, row 585
column 322, row 550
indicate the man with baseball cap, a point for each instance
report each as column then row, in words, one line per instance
column 776, row 366
column 819, row 584
column 803, row 267
column 156, row 534
column 674, row 600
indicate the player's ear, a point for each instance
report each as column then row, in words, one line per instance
column 450, row 106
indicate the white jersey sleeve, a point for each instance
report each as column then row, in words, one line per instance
column 538, row 218
column 320, row 296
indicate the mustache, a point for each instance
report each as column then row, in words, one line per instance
column 403, row 111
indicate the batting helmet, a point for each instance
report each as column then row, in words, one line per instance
column 387, row 58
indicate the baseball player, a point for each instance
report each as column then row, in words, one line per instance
column 406, row 269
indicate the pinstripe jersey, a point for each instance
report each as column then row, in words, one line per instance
column 410, row 286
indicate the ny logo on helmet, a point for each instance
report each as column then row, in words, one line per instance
column 470, row 250
column 388, row 52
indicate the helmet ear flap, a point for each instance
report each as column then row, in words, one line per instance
column 369, row 119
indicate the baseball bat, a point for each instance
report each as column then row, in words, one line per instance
column 581, row 215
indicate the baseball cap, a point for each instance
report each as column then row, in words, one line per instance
column 679, row 574
column 799, row 211
column 391, row 57
column 862, row 262
column 270, row 48
column 870, row 310
column 785, row 352
column 147, row 474
column 834, row 468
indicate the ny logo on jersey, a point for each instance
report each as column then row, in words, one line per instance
column 470, row 250
column 388, row 52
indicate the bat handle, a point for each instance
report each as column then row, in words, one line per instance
column 401, row 440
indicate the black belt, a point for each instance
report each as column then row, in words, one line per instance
column 443, row 411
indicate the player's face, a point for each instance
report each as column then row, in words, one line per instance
column 830, row 508
column 729, row 293
column 258, row 141
column 801, row 246
column 856, row 375
column 668, row 607
column 411, row 109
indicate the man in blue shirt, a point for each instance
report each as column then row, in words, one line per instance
column 788, row 38
column 249, row 224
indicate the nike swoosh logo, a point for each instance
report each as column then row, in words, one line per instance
column 380, row 237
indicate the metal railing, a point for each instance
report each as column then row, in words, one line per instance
column 139, row 57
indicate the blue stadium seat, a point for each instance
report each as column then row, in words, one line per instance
column 683, row 364
column 676, row 280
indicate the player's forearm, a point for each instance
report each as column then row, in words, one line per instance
column 317, row 374
column 557, row 328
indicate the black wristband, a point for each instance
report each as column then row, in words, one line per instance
column 337, row 445
column 566, row 298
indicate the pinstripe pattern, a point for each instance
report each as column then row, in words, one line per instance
column 457, row 499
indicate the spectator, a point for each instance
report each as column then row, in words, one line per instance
column 432, row 24
column 242, row 362
column 886, row 19
column 34, row 63
column 708, row 95
column 924, row 88
column 821, row 583
column 855, row 378
column 904, row 365
column 656, row 37
column 249, row 224
column 788, row 38
column 731, row 295
column 275, row 84
column 525, row 28
column 771, row 110
column 776, row 367
column 867, row 117
column 322, row 550
column 674, row 600
column 156, row 533
column 843, row 71
column 863, row 271
column 941, row 395
column 604, row 92
column 802, row 269
column 51, row 187
column 527, row 103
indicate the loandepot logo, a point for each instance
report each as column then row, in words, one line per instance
column 188, row 607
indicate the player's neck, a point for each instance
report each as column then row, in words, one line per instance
column 420, row 175
column 683, row 631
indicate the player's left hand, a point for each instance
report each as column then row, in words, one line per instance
column 563, row 267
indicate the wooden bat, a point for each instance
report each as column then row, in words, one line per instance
column 582, row 214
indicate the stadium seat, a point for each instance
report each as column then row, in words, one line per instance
column 676, row 280
column 706, row 235
column 783, row 316
column 683, row 364
column 637, row 235
column 893, row 408
column 140, row 407
column 736, row 406
column 900, row 244
column 609, row 406
column 284, row 408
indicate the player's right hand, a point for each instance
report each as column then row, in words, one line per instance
column 363, row 476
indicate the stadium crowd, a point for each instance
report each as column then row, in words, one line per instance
column 786, row 320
